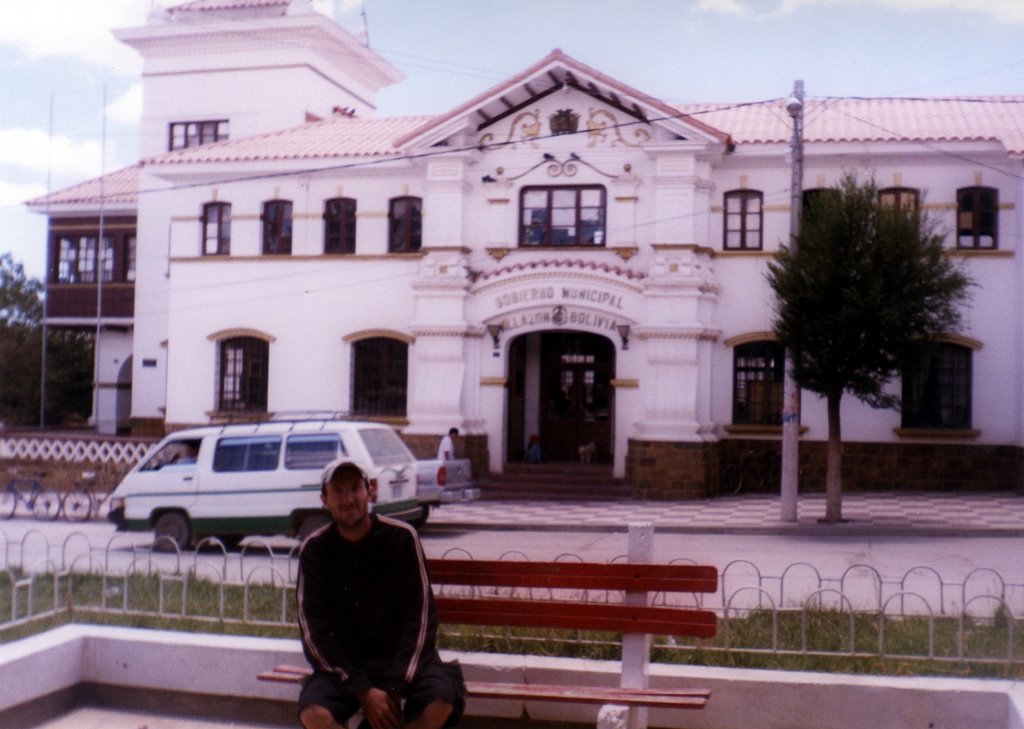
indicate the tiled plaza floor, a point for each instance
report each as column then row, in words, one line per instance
column 942, row 514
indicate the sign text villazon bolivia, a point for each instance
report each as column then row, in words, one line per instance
column 559, row 315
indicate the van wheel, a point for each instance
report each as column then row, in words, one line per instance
column 310, row 524
column 171, row 530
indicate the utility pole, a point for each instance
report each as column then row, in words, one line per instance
column 100, row 267
column 790, row 389
column 51, row 255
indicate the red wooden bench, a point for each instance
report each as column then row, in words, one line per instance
column 525, row 595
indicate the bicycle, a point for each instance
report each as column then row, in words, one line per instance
column 44, row 504
column 81, row 502
column 755, row 469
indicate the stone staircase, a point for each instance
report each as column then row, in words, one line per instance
column 554, row 482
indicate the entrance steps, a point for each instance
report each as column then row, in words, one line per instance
column 554, row 482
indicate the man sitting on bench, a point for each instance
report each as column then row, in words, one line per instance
column 367, row 619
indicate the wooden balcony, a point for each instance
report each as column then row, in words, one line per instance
column 79, row 301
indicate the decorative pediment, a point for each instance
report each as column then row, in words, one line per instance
column 558, row 97
column 573, row 115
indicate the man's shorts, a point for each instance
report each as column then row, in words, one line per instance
column 437, row 680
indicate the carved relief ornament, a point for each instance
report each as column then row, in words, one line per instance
column 603, row 127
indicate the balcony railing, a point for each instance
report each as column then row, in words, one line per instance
column 79, row 300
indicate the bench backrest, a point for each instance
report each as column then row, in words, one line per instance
column 523, row 609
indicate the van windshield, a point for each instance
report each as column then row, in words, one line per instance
column 384, row 446
column 312, row 451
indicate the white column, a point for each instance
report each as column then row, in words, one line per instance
column 438, row 359
column 676, row 339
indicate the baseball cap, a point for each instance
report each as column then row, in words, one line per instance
column 340, row 464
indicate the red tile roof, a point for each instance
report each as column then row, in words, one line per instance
column 330, row 138
column 911, row 120
column 119, row 187
column 915, row 120
column 991, row 118
column 200, row 5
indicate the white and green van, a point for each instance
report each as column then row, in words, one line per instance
column 236, row 480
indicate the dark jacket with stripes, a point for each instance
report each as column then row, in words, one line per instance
column 366, row 611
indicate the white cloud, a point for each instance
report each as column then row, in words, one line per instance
column 31, row 149
column 1002, row 11
column 127, row 108
column 725, row 7
column 78, row 29
column 347, row 7
column 13, row 194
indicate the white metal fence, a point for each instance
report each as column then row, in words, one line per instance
column 861, row 612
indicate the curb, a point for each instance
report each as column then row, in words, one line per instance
column 851, row 529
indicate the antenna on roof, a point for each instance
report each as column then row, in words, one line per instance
column 364, row 29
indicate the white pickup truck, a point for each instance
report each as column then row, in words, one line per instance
column 444, row 482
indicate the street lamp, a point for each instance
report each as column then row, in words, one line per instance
column 495, row 331
column 790, row 390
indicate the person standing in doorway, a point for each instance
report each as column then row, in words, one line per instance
column 446, row 450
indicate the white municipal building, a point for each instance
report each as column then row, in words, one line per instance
column 562, row 256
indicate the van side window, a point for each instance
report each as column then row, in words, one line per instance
column 312, row 451
column 384, row 445
column 253, row 453
column 175, row 453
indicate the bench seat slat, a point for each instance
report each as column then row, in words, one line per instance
column 681, row 698
column 614, row 617
column 695, row 699
column 575, row 575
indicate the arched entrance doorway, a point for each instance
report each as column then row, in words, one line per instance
column 560, row 390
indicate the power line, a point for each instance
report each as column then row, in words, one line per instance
column 968, row 75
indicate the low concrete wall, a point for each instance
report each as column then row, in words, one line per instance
column 226, row 666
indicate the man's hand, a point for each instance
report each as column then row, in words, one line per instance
column 381, row 709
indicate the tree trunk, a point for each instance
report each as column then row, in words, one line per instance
column 833, row 472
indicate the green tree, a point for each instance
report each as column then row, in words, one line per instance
column 69, row 355
column 21, row 302
column 864, row 285
column 21, row 311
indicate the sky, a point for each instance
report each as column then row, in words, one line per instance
column 70, row 94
